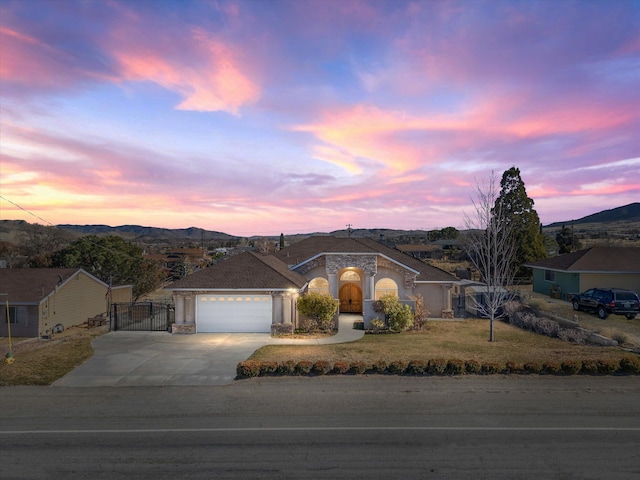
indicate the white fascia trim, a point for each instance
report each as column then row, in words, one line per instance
column 356, row 254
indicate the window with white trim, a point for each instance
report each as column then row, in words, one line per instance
column 319, row 285
column 386, row 286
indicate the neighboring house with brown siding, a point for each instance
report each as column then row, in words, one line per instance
column 595, row 267
column 41, row 299
column 251, row 292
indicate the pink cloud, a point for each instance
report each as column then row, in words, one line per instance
column 213, row 79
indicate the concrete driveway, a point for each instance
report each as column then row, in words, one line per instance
column 126, row 359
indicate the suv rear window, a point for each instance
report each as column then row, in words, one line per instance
column 625, row 296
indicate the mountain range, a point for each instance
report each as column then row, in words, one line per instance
column 626, row 214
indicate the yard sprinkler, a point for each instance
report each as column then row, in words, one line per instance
column 8, row 358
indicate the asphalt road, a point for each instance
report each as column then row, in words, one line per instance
column 331, row 427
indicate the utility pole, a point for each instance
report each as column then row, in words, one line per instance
column 349, row 229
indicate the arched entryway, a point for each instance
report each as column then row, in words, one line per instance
column 350, row 298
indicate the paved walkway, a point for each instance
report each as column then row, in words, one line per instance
column 126, row 359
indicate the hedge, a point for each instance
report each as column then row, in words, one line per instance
column 437, row 367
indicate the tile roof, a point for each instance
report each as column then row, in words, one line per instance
column 312, row 246
column 245, row 270
column 595, row 259
column 31, row 285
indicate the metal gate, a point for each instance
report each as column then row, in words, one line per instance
column 145, row 316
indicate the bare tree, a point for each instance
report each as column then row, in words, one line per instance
column 491, row 248
column 39, row 242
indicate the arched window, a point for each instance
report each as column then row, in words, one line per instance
column 319, row 285
column 385, row 286
column 350, row 276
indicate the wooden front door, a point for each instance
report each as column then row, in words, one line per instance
column 350, row 298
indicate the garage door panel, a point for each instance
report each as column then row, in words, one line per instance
column 233, row 313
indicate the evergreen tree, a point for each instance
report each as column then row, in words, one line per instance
column 567, row 242
column 516, row 208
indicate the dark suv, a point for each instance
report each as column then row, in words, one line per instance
column 604, row 301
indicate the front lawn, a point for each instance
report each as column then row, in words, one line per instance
column 463, row 340
column 39, row 362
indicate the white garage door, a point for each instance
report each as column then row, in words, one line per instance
column 233, row 313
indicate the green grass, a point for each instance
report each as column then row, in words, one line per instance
column 466, row 340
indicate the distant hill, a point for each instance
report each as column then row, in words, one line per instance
column 628, row 213
column 148, row 233
column 9, row 229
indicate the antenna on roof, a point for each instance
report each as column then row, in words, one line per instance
column 349, row 229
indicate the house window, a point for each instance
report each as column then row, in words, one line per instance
column 550, row 275
column 319, row 285
column 349, row 276
column 17, row 315
column 386, row 286
column 13, row 317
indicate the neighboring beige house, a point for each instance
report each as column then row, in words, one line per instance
column 43, row 299
column 251, row 292
column 595, row 267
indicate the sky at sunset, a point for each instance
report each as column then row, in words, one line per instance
column 265, row 116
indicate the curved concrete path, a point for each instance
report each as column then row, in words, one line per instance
column 127, row 359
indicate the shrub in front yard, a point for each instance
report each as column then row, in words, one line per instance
column 513, row 367
column 436, row 366
column 396, row 367
column 471, row 366
column 620, row 337
column 268, row 368
column 570, row 367
column 608, row 367
column 490, row 368
column 590, row 367
column 288, row 367
column 248, row 369
column 455, row 367
column 340, row 368
column 379, row 366
column 303, row 367
column 377, row 325
column 321, row 367
column 416, row 367
column 630, row 365
column 398, row 315
column 357, row 368
column 532, row 367
column 319, row 310
column 550, row 368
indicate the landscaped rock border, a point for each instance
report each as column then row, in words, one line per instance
column 437, row 366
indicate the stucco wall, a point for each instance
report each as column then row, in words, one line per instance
column 433, row 298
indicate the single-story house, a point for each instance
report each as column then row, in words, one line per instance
column 44, row 300
column 603, row 267
column 251, row 292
